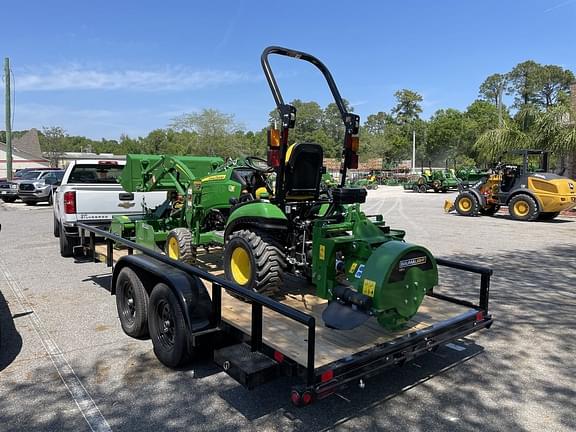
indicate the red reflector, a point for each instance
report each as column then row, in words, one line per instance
column 295, row 397
column 306, row 398
column 479, row 315
column 70, row 202
column 327, row 376
column 274, row 157
column 278, row 356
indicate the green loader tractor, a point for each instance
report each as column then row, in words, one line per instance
column 272, row 219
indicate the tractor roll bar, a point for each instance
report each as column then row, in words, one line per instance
column 287, row 112
column 299, row 55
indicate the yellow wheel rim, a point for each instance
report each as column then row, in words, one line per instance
column 465, row 204
column 240, row 266
column 173, row 248
column 521, row 208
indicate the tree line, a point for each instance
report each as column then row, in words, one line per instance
column 538, row 116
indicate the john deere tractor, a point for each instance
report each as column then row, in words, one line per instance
column 530, row 193
column 268, row 230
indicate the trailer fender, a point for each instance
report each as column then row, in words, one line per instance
column 190, row 291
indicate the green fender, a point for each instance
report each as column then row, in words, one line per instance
column 397, row 276
column 255, row 212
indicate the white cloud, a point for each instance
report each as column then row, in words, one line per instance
column 75, row 77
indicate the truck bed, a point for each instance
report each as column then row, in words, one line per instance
column 290, row 338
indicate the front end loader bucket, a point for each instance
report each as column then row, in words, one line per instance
column 448, row 206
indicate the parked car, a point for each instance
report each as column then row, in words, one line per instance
column 9, row 189
column 40, row 189
column 90, row 193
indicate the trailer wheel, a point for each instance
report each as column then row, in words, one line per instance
column 179, row 245
column 415, row 188
column 255, row 261
column 67, row 243
column 132, row 304
column 423, row 189
column 167, row 328
column 466, row 204
column 523, row 207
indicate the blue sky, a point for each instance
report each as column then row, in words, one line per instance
column 105, row 68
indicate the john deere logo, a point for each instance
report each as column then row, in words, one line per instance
column 412, row 262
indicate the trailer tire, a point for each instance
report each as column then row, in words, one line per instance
column 523, row 207
column 415, row 188
column 423, row 189
column 67, row 243
column 179, row 245
column 255, row 261
column 167, row 327
column 132, row 304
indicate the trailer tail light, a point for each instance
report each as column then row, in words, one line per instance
column 273, row 138
column 278, row 356
column 327, row 376
column 274, row 157
column 295, row 397
column 70, row 202
column 306, row 398
column 480, row 316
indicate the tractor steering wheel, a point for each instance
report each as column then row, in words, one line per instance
column 258, row 164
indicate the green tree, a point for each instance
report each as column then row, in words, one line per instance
column 553, row 83
column 53, row 143
column 407, row 108
column 523, row 80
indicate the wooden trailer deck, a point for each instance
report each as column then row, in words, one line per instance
column 290, row 337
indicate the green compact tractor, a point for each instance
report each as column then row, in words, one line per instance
column 356, row 262
column 435, row 180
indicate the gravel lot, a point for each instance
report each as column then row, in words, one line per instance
column 62, row 346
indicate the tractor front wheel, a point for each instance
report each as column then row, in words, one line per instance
column 466, row 204
column 179, row 245
column 255, row 261
column 523, row 207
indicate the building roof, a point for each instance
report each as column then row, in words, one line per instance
column 27, row 146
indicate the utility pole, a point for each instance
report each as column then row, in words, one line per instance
column 8, row 120
column 413, row 151
column 500, row 90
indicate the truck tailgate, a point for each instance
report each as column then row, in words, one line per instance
column 101, row 202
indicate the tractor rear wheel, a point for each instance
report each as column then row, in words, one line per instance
column 179, row 245
column 523, row 207
column 255, row 261
column 466, row 204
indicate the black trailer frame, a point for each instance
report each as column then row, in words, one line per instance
column 327, row 379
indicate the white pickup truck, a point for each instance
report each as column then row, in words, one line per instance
column 90, row 193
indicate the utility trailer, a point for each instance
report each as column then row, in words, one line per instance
column 256, row 339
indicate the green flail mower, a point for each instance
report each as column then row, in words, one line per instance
column 272, row 219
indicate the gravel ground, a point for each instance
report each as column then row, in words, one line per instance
column 66, row 365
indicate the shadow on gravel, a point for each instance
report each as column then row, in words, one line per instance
column 528, row 365
column 10, row 340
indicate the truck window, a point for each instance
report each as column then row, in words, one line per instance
column 97, row 173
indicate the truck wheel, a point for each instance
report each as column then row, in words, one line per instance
column 132, row 304
column 8, row 199
column 466, row 204
column 30, row 203
column 546, row 216
column 56, row 227
column 523, row 207
column 167, row 329
column 179, row 245
column 254, row 261
column 67, row 243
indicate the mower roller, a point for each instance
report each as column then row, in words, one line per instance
column 361, row 266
